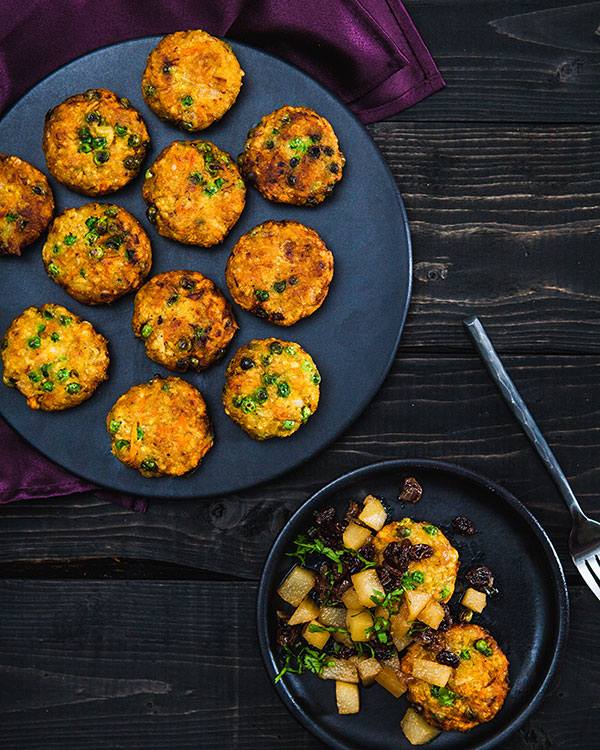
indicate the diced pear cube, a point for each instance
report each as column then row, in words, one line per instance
column 432, row 614
column 332, row 617
column 475, row 600
column 416, row 730
column 341, row 669
column 347, row 697
column 373, row 514
column 400, row 623
column 402, row 643
column 368, row 668
column 431, row 672
column 366, row 584
column 306, row 611
column 355, row 535
column 317, row 638
column 382, row 612
column 297, row 584
column 350, row 599
column 415, row 602
column 357, row 622
column 388, row 679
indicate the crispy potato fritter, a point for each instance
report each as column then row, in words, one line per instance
column 97, row 253
column 184, row 320
column 191, row 79
column 281, row 271
column 476, row 689
column 293, row 156
column 160, row 428
column 53, row 357
column 194, row 192
column 26, row 204
column 95, row 142
column 272, row 388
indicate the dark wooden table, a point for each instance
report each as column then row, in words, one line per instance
column 112, row 626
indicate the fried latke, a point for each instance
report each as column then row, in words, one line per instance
column 26, row 204
column 184, row 320
column 194, row 192
column 281, row 271
column 160, row 428
column 97, row 253
column 271, row 388
column 53, row 357
column 293, row 156
column 191, row 79
column 476, row 689
column 440, row 569
column 95, row 142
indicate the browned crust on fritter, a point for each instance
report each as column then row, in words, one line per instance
column 293, row 156
column 191, row 79
column 285, row 260
column 97, row 262
column 162, row 427
column 480, row 682
column 194, row 192
column 184, row 320
column 53, row 357
column 282, row 382
column 105, row 115
column 26, row 204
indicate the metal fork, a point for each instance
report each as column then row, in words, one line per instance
column 584, row 540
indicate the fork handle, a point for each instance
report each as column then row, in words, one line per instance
column 518, row 407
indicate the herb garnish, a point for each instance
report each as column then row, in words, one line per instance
column 304, row 660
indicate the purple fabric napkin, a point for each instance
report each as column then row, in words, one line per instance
column 368, row 52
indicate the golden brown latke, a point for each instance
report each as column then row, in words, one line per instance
column 97, row 253
column 440, row 569
column 95, row 142
column 184, row 320
column 281, row 271
column 271, row 388
column 53, row 357
column 194, row 192
column 26, row 204
column 479, row 683
column 293, row 156
column 160, row 428
column 191, row 79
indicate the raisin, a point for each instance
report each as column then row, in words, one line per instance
column 411, row 491
column 448, row 658
column 345, row 652
column 397, row 555
column 353, row 511
column 420, row 551
column 462, row 525
column 329, row 530
column 382, row 652
column 430, row 640
column 480, row 577
column 287, row 634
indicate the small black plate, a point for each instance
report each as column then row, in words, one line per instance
column 352, row 338
column 529, row 618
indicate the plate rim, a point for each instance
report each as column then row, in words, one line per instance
column 363, row 403
column 559, row 586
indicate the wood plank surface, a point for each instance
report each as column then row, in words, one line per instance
column 505, row 223
column 511, row 60
column 130, row 664
column 429, row 407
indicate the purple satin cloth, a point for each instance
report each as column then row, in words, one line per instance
column 367, row 52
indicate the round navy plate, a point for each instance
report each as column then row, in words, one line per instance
column 529, row 617
column 353, row 337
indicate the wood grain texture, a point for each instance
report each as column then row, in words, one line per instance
column 511, row 60
column 130, row 664
column 505, row 223
column 429, row 407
